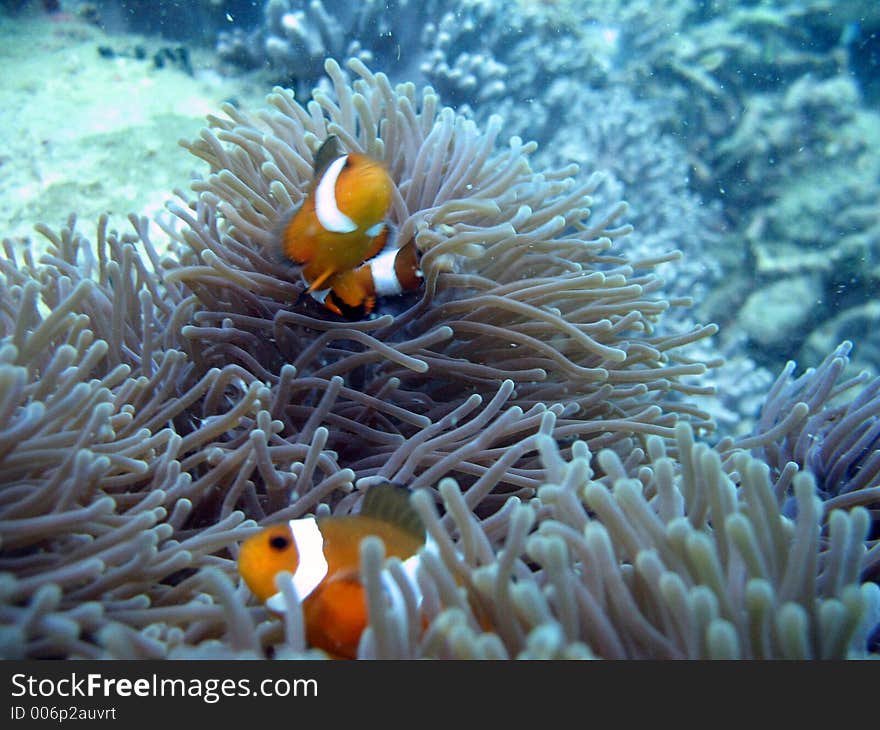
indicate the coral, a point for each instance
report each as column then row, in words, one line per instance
column 783, row 135
column 483, row 54
column 769, row 99
column 793, row 302
column 803, row 175
column 708, row 59
column 473, row 52
column 297, row 36
column 859, row 322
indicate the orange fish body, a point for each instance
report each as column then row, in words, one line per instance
column 340, row 237
column 392, row 272
column 323, row 557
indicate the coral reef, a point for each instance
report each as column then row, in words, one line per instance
column 473, row 52
column 769, row 97
column 803, row 175
column 297, row 36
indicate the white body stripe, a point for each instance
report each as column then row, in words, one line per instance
column 375, row 230
column 394, row 590
column 312, row 568
column 385, row 280
column 329, row 215
column 410, row 569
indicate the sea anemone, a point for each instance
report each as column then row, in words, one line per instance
column 519, row 284
column 829, row 425
column 684, row 561
column 159, row 404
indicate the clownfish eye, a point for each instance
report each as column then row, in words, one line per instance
column 278, row 542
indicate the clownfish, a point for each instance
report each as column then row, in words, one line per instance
column 340, row 238
column 322, row 555
column 353, row 294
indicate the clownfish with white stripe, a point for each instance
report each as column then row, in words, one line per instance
column 322, row 556
column 340, row 236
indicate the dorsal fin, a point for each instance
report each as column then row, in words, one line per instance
column 330, row 149
column 389, row 502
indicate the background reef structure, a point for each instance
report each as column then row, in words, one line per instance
column 152, row 405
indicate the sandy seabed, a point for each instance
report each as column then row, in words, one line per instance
column 87, row 134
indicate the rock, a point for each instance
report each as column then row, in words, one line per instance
column 778, row 314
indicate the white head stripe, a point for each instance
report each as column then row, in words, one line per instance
column 320, row 295
column 385, row 280
column 312, row 568
column 329, row 215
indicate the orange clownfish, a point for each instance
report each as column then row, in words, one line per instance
column 340, row 236
column 323, row 557
column 353, row 293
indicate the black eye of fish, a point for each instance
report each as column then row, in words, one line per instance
column 279, row 542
